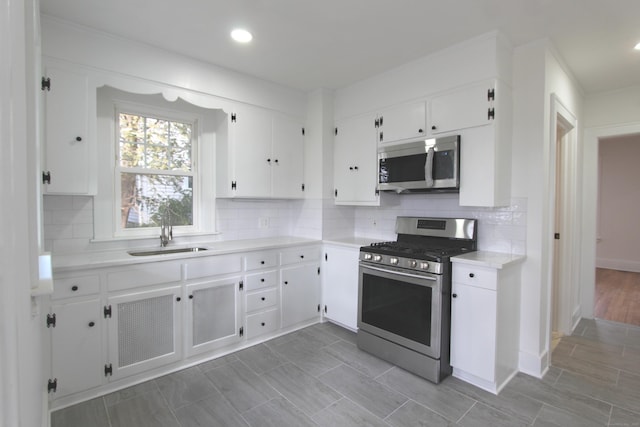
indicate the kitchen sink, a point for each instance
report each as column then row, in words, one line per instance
column 166, row 251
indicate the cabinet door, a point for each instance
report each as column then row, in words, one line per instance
column 287, row 164
column 461, row 108
column 251, row 136
column 68, row 143
column 355, row 162
column 402, row 122
column 340, row 286
column 213, row 313
column 76, row 340
column 144, row 331
column 300, row 294
column 473, row 330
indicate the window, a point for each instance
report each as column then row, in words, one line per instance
column 155, row 171
column 155, row 158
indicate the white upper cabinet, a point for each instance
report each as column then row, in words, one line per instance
column 355, row 162
column 262, row 156
column 69, row 141
column 462, row 108
column 406, row 121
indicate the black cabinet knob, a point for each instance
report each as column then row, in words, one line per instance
column 472, row 275
column 74, row 288
column 178, row 299
column 262, row 262
column 276, row 160
column 454, row 296
column 302, row 256
column 263, row 323
column 190, row 296
column 433, row 127
column 420, row 131
column 269, row 160
column 263, row 298
column 262, row 280
column 78, row 138
column 286, row 283
column 92, row 324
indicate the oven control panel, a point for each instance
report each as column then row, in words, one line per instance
column 402, row 262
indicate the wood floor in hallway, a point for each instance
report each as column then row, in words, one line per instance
column 617, row 296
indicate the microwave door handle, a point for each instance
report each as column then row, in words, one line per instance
column 428, row 168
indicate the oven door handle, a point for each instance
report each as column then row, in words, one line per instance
column 415, row 276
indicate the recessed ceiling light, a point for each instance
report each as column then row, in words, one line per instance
column 241, row 36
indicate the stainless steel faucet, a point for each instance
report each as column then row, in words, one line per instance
column 166, row 229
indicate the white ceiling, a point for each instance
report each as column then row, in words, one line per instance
column 308, row 44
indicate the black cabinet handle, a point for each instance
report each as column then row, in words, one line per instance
column 286, row 283
column 78, row 138
column 302, row 256
column 454, row 296
column 74, row 288
column 92, row 324
column 263, row 323
column 262, row 280
column 178, row 299
column 190, row 296
column 263, row 298
column 472, row 275
column 269, row 160
column 276, row 160
column 433, row 127
column 262, row 262
column 420, row 131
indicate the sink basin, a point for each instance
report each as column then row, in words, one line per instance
column 166, row 251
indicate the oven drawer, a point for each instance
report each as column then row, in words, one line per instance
column 262, row 299
column 481, row 277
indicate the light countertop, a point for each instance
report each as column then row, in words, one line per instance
column 352, row 242
column 488, row 259
column 97, row 259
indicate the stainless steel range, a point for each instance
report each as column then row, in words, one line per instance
column 404, row 293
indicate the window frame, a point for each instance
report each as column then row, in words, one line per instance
column 154, row 112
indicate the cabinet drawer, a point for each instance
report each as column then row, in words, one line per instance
column 481, row 277
column 212, row 266
column 298, row 255
column 262, row 299
column 75, row 287
column 157, row 273
column 262, row 323
column 260, row 280
column 258, row 260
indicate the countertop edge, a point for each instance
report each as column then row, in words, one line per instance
column 497, row 260
column 119, row 258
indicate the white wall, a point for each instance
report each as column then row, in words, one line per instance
column 538, row 73
column 619, row 203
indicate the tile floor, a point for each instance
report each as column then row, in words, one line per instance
column 318, row 377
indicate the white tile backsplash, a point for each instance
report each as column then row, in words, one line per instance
column 68, row 220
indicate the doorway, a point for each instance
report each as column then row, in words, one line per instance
column 589, row 208
column 617, row 293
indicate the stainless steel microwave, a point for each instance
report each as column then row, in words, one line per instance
column 420, row 166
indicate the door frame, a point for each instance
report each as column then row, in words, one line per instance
column 565, row 263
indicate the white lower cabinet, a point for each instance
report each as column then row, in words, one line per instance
column 213, row 314
column 300, row 294
column 485, row 323
column 340, row 285
column 76, row 347
column 144, row 331
column 110, row 327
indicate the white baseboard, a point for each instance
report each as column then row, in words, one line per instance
column 535, row 365
column 619, row 264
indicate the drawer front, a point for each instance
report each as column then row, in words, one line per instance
column 258, row 260
column 262, row 299
column 481, row 277
column 261, row 280
column 262, row 323
column 75, row 286
column 298, row 255
column 144, row 275
column 212, row 266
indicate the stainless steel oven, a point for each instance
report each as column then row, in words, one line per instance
column 404, row 293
